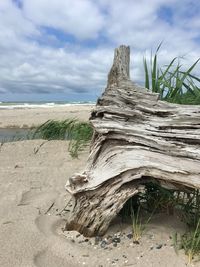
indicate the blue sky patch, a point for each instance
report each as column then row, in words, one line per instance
column 18, row 3
column 166, row 13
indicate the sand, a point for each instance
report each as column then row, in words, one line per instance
column 33, row 174
column 30, row 117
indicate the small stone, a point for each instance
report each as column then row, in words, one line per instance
column 151, row 248
column 159, row 246
column 103, row 244
column 116, row 240
column 114, row 244
column 130, row 236
column 119, row 234
column 136, row 242
column 78, row 235
column 124, row 256
column 72, row 240
column 86, row 240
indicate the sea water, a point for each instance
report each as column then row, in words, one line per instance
column 13, row 134
column 40, row 104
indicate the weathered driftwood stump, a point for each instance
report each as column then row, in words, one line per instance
column 137, row 137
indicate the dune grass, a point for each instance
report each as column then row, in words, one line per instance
column 189, row 204
column 172, row 82
column 78, row 133
column 156, row 199
column 189, row 242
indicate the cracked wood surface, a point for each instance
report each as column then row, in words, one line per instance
column 137, row 137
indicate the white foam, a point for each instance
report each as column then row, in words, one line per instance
column 45, row 105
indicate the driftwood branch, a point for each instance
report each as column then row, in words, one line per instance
column 137, row 138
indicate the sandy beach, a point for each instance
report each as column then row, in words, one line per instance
column 31, row 117
column 33, row 175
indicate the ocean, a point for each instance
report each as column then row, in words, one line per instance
column 41, row 104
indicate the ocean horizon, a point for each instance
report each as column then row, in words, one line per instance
column 40, row 104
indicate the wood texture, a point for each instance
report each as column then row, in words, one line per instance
column 137, row 138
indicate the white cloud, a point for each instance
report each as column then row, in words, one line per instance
column 80, row 18
column 13, row 25
column 35, row 61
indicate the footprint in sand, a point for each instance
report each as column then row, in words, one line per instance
column 57, row 249
column 50, row 225
column 45, row 258
column 44, row 201
column 55, row 254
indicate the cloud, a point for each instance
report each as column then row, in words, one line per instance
column 67, row 46
column 80, row 18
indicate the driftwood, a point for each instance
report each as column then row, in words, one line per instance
column 137, row 137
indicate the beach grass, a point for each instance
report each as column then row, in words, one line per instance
column 155, row 199
column 189, row 242
column 172, row 82
column 78, row 133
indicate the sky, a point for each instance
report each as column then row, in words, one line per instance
column 63, row 49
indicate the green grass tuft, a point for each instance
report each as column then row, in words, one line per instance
column 156, row 199
column 173, row 84
column 79, row 133
column 189, row 242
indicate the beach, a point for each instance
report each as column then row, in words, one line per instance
column 33, row 174
column 27, row 117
